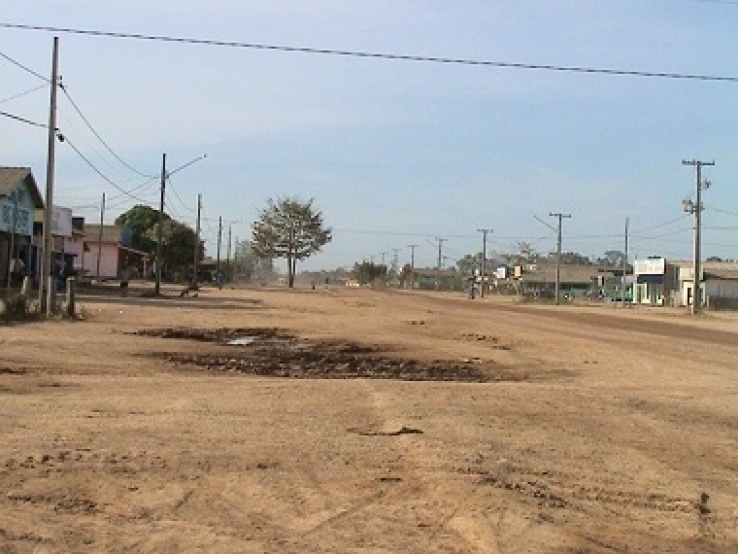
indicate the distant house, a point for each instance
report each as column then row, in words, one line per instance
column 74, row 247
column 108, row 249
column 656, row 281
column 438, row 279
column 65, row 240
column 577, row 280
column 721, row 284
column 718, row 284
column 19, row 197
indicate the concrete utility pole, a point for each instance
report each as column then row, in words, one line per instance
column 558, row 254
column 197, row 242
column 696, row 209
column 412, row 248
column 100, row 235
column 438, row 267
column 625, row 264
column 48, row 240
column 228, row 255
column 235, row 259
column 163, row 184
column 484, row 258
column 220, row 236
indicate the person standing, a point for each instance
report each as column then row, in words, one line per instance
column 124, row 277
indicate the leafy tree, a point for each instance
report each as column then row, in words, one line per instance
column 141, row 219
column 292, row 229
column 178, row 247
column 367, row 272
column 245, row 261
column 612, row 258
column 527, row 254
column 571, row 258
column 468, row 263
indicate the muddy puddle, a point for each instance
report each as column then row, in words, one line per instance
column 278, row 353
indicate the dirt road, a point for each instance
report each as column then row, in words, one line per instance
column 376, row 421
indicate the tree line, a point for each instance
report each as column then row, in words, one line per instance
column 287, row 227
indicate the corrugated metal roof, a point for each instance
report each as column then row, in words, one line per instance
column 11, row 176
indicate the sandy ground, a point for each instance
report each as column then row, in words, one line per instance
column 368, row 421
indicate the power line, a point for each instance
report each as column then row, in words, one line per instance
column 374, row 55
column 22, row 119
column 100, row 173
column 659, row 225
column 94, row 132
column 176, row 194
column 724, row 2
column 24, row 68
column 9, row 98
column 714, row 209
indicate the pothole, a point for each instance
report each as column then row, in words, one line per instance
column 278, row 353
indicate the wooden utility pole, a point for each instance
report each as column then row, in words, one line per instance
column 157, row 285
column 696, row 209
column 558, row 255
column 48, row 240
column 484, row 258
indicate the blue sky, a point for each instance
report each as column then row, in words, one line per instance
column 394, row 152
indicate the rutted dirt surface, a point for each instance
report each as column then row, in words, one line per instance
column 406, row 423
column 277, row 353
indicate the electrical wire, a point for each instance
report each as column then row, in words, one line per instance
column 22, row 119
column 176, row 195
column 20, row 94
column 659, row 225
column 720, row 210
column 97, row 135
column 375, row 55
column 100, row 173
column 24, row 68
